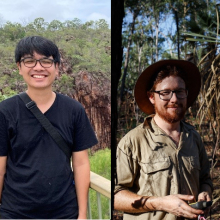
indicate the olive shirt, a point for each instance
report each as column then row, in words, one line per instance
column 150, row 164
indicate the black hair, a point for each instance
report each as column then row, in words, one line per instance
column 40, row 45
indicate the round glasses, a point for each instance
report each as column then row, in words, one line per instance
column 166, row 95
column 31, row 62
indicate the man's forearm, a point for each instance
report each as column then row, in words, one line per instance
column 175, row 204
column 81, row 169
column 132, row 203
column 1, row 186
column 3, row 160
column 82, row 179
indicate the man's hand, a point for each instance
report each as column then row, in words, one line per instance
column 204, row 196
column 175, row 204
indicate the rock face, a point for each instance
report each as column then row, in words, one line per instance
column 92, row 90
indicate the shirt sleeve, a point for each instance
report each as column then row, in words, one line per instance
column 84, row 136
column 4, row 139
column 126, row 166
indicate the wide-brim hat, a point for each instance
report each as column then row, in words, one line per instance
column 145, row 81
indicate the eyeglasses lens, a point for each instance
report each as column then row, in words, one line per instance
column 167, row 95
column 29, row 62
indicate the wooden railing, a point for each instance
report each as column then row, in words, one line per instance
column 102, row 186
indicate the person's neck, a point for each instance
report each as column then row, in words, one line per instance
column 41, row 96
column 169, row 128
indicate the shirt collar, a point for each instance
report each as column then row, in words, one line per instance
column 151, row 124
column 158, row 134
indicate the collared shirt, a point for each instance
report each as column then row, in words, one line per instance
column 150, row 164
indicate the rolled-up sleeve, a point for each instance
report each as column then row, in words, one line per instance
column 126, row 166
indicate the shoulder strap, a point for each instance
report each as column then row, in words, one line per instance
column 31, row 105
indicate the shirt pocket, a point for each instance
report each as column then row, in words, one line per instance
column 157, row 175
column 156, row 166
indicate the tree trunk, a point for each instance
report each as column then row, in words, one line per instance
column 177, row 29
column 127, row 55
column 157, row 35
column 157, row 18
column 152, row 47
column 139, row 59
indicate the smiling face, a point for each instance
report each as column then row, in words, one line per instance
column 38, row 77
column 174, row 109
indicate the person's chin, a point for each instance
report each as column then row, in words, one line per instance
column 172, row 120
column 173, row 116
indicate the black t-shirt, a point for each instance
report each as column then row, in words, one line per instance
column 38, row 176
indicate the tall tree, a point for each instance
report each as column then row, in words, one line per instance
column 133, row 7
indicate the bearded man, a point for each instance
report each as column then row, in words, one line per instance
column 162, row 165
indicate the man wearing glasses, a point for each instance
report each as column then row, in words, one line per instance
column 36, row 179
column 162, row 164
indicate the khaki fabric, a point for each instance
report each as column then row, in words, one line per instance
column 150, row 164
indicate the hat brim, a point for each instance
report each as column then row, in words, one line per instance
column 144, row 81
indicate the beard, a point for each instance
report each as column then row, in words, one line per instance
column 173, row 117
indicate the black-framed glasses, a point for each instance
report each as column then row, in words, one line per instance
column 31, row 62
column 166, row 95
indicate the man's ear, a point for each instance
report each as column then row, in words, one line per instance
column 19, row 67
column 57, row 69
column 151, row 97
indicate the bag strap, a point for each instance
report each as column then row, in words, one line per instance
column 31, row 105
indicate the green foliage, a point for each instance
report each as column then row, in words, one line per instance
column 3, row 97
column 100, row 163
column 55, row 25
column 101, row 24
column 65, row 84
column 13, row 31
